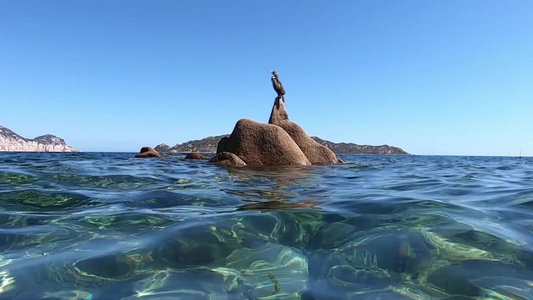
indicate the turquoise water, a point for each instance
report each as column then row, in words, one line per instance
column 107, row 226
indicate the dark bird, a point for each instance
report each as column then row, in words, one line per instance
column 278, row 87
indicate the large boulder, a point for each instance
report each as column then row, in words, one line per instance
column 147, row 152
column 262, row 144
column 316, row 153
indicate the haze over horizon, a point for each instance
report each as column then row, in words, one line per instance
column 433, row 78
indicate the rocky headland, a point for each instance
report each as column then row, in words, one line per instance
column 12, row 142
column 351, row 148
column 206, row 145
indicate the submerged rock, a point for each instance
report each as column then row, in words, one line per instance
column 366, row 264
column 475, row 278
column 241, row 257
column 147, row 152
column 190, row 284
column 272, row 271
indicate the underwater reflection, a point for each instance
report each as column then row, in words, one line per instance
column 283, row 187
column 282, row 175
column 276, row 205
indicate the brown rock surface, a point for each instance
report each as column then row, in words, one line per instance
column 222, row 144
column 316, row 153
column 196, row 155
column 228, row 159
column 262, row 144
column 279, row 113
column 147, row 152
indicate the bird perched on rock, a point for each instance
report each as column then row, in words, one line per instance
column 278, row 87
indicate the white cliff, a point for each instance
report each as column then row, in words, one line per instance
column 10, row 141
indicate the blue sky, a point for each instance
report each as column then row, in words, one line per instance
column 447, row 77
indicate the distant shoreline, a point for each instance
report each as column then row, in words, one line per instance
column 209, row 145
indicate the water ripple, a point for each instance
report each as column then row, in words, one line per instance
column 108, row 226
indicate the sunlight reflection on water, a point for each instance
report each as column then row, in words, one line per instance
column 101, row 226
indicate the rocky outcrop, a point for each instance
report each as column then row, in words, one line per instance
column 12, row 142
column 228, row 159
column 260, row 144
column 316, row 153
column 196, row 155
column 281, row 142
column 147, row 152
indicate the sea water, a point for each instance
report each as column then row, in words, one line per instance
column 108, row 226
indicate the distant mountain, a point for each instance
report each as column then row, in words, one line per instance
column 351, row 148
column 209, row 145
column 12, row 142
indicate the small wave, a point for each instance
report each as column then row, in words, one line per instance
column 38, row 200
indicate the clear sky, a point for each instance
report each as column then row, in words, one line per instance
column 450, row 77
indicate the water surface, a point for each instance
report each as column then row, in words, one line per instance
column 107, row 226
